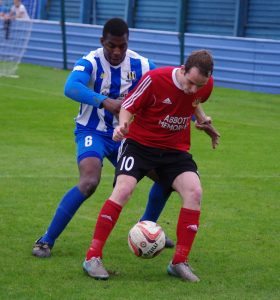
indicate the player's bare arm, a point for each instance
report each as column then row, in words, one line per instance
column 112, row 105
column 122, row 129
column 200, row 115
column 204, row 122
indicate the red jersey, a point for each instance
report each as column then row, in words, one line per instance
column 162, row 111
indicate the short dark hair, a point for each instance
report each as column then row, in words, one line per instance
column 116, row 27
column 201, row 59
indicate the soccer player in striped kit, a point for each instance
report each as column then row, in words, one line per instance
column 99, row 82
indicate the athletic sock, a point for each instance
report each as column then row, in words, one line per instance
column 68, row 206
column 187, row 227
column 156, row 202
column 106, row 221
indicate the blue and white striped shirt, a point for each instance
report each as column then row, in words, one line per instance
column 104, row 81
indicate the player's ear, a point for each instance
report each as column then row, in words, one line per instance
column 182, row 70
column 102, row 41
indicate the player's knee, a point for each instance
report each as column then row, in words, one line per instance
column 197, row 195
column 122, row 193
column 88, row 185
column 126, row 193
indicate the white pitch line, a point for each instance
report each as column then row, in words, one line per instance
column 13, row 87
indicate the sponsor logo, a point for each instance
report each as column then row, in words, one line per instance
column 79, row 68
column 192, row 227
column 152, row 250
column 167, row 101
column 114, row 96
column 143, row 244
column 174, row 123
column 107, row 217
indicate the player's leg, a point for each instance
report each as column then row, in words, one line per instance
column 130, row 169
column 90, row 169
column 157, row 196
column 188, row 186
column 90, row 155
column 105, row 223
column 156, row 202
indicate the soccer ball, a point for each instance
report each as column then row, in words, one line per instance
column 146, row 239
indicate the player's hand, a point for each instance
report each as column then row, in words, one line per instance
column 120, row 132
column 112, row 105
column 207, row 127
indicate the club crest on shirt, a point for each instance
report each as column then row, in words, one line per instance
column 196, row 102
column 102, row 75
column 131, row 76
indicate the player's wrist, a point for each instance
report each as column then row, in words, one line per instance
column 205, row 121
column 98, row 101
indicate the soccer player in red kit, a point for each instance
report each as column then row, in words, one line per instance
column 154, row 126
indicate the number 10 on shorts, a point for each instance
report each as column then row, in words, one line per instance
column 127, row 163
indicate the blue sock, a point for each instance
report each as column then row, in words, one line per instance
column 69, row 204
column 156, row 203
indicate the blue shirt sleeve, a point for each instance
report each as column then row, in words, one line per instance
column 76, row 86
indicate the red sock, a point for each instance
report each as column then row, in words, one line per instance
column 187, row 226
column 106, row 221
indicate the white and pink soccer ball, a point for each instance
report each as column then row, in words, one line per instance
column 146, row 239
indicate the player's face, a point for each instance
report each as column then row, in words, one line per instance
column 191, row 81
column 17, row 3
column 114, row 48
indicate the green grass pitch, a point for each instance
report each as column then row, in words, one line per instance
column 236, row 252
